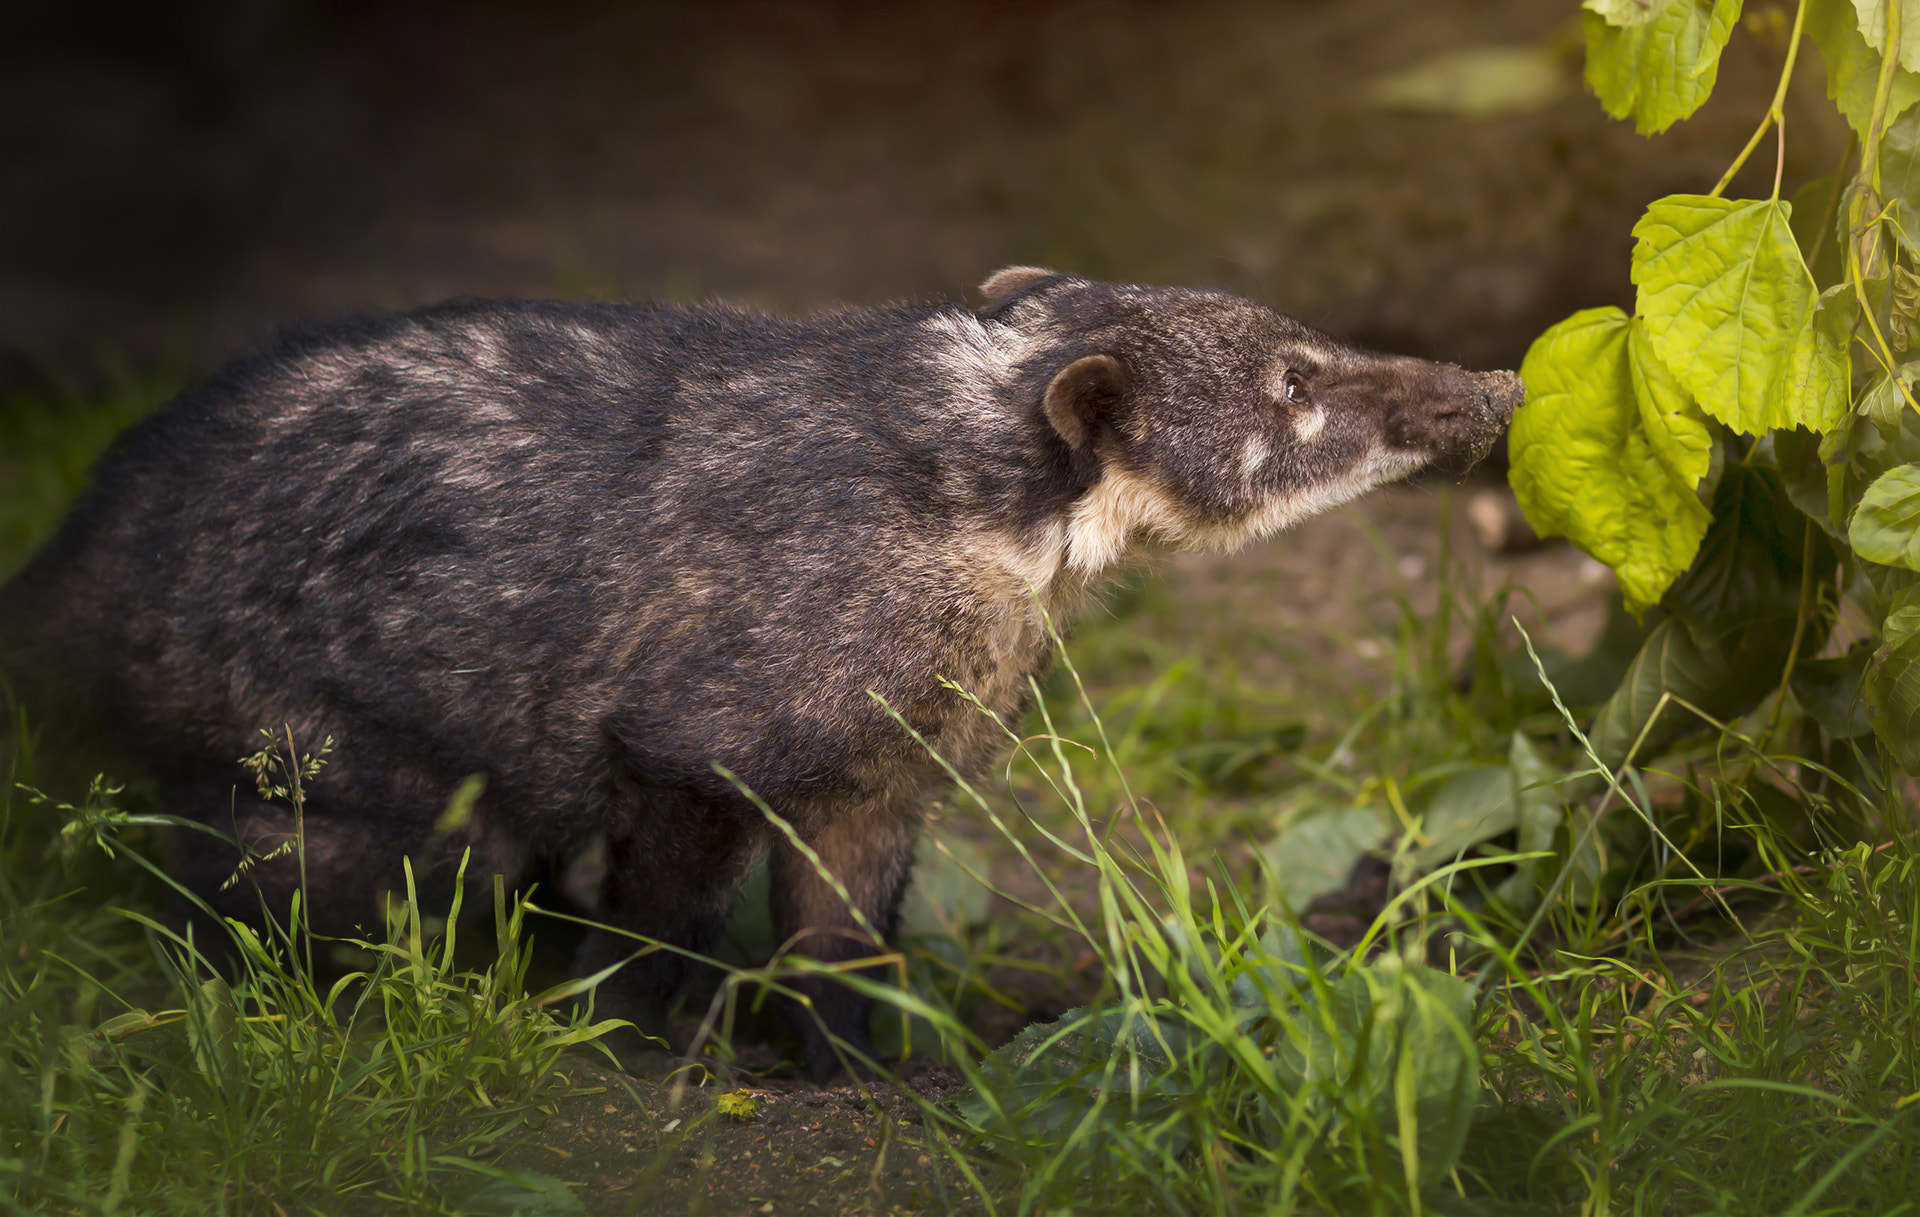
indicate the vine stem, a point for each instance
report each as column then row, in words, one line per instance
column 1857, row 218
column 1776, row 116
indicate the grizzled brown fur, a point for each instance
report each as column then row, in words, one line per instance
column 595, row 551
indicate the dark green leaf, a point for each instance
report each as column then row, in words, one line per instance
column 1795, row 454
column 1815, row 225
column 1893, row 683
column 1749, row 565
column 505, row 1192
column 1316, row 853
column 1724, row 678
column 1829, row 690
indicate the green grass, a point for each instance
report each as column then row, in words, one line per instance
column 136, row 1075
column 1715, row 1011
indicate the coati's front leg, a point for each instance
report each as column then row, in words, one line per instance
column 869, row 850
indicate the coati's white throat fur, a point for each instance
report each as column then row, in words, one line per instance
column 1124, row 506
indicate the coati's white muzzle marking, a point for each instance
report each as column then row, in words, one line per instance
column 1308, row 426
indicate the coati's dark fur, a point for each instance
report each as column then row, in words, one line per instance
column 593, row 551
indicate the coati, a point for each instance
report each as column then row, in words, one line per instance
column 598, row 552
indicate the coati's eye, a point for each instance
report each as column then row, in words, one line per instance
column 1296, row 389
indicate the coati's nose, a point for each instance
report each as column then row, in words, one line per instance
column 1456, row 413
column 1500, row 394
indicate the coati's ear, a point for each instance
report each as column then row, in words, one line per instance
column 1083, row 395
column 1010, row 279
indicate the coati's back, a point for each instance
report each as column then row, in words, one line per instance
column 484, row 524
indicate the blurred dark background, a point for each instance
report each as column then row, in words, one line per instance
column 177, row 179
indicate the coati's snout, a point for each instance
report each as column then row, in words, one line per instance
column 1448, row 413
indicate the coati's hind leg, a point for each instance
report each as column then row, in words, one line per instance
column 870, row 852
column 351, row 863
column 672, row 878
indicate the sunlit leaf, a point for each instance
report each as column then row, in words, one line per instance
column 1657, row 71
column 1601, row 454
column 1730, row 308
column 1628, row 12
column 1886, row 525
column 1872, row 24
column 1853, row 67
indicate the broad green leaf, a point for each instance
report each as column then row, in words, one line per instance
column 1315, row 854
column 1872, row 15
column 1601, row 452
column 1815, row 220
column 1657, row 71
column 1675, row 429
column 1627, row 12
column 1884, row 404
column 504, row 1192
column 1537, row 817
column 1470, row 806
column 1829, row 690
column 1886, row 525
column 1395, row 1039
column 1729, row 306
column 1893, row 681
column 1900, row 175
column 1903, row 617
column 1040, row 1085
column 1853, row 67
column 1724, row 678
column 1796, row 455
column 1749, row 565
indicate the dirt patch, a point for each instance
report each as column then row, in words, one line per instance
column 627, row 1144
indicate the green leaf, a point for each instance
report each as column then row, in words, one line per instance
column 1627, row 12
column 1537, row 816
column 1795, row 454
column 1893, row 681
column 1470, row 806
column 1040, row 1085
column 1900, row 175
column 1725, row 678
column 1387, row 1034
column 505, row 1192
column 1474, row 82
column 1812, row 204
column 1853, row 67
column 1749, row 565
column 1730, row 308
column 1872, row 25
column 1316, row 853
column 1886, row 525
column 1884, row 404
column 1657, row 71
column 1603, row 449
column 1830, row 691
